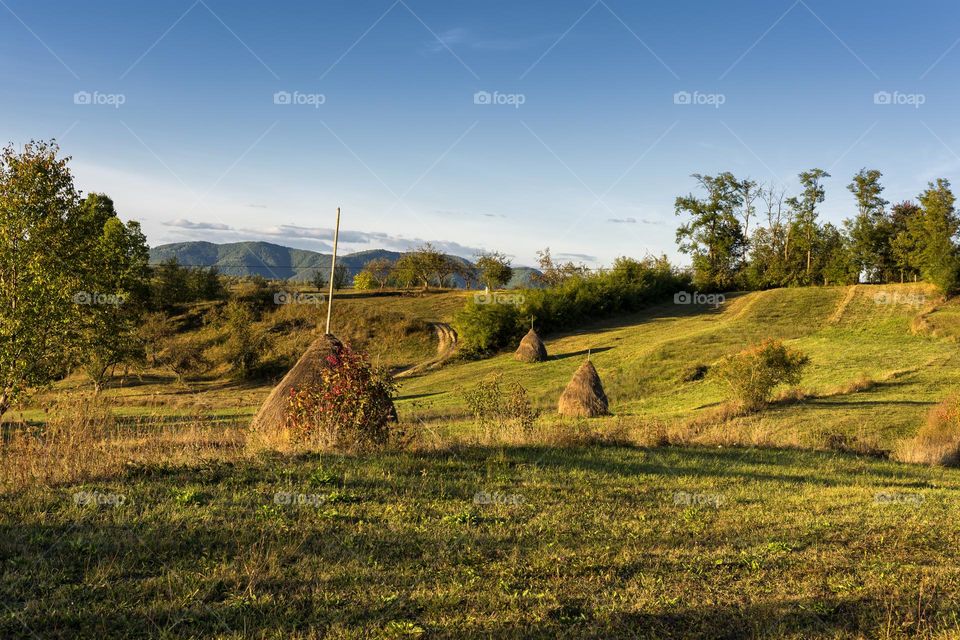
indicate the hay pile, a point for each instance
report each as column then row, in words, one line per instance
column 272, row 414
column 531, row 348
column 584, row 396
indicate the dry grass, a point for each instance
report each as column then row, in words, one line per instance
column 938, row 440
column 82, row 440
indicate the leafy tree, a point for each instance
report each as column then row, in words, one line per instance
column 155, row 330
column 935, row 231
column 714, row 236
column 906, row 260
column 205, row 284
column 553, row 274
column 405, row 271
column 339, row 276
column 363, row 281
column 425, row 266
column 804, row 227
column 41, row 268
column 378, row 270
column 870, row 231
column 319, row 281
column 111, row 312
column 184, row 358
column 494, row 268
column 171, row 285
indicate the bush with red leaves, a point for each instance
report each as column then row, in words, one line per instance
column 348, row 405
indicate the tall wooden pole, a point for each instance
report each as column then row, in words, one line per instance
column 333, row 268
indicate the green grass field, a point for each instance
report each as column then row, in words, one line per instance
column 581, row 542
column 464, row 536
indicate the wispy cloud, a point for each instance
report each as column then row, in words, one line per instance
column 183, row 223
column 465, row 39
column 315, row 238
column 577, row 256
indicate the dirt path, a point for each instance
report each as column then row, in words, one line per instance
column 446, row 347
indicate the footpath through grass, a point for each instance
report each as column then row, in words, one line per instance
column 491, row 542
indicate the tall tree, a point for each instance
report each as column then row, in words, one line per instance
column 111, row 311
column 904, row 216
column 935, row 232
column 494, row 268
column 870, row 231
column 713, row 235
column 379, row 270
column 805, row 227
column 41, row 267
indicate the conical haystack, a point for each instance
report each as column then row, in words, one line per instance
column 531, row 348
column 272, row 413
column 584, row 396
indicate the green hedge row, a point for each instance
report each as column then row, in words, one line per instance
column 490, row 322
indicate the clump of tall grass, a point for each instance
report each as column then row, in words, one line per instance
column 938, row 440
column 80, row 439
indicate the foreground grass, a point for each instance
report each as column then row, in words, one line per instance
column 580, row 542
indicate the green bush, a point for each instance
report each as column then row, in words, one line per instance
column 483, row 328
column 754, row 373
column 493, row 406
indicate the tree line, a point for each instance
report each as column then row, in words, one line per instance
column 744, row 235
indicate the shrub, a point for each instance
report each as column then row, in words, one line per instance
column 754, row 373
column 493, row 406
column 348, row 404
column 938, row 440
column 484, row 328
column 245, row 342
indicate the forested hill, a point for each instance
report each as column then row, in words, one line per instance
column 279, row 262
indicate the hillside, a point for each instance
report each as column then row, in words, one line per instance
column 852, row 334
column 284, row 263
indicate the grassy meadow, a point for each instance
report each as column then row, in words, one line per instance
column 153, row 517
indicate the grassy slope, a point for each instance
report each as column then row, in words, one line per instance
column 641, row 360
column 782, row 544
column 391, row 328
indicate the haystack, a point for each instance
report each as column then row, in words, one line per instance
column 272, row 413
column 584, row 396
column 531, row 348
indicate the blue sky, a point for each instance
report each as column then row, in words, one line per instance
column 581, row 146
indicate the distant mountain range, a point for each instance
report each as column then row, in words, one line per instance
column 283, row 263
